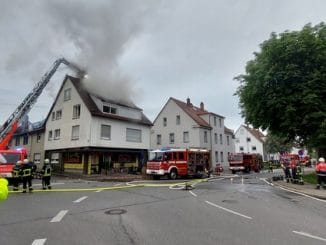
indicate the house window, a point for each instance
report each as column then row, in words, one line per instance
column 25, row 140
column 220, row 122
column 50, row 135
column 109, row 109
column 171, row 138
column 67, row 94
column 165, row 121
column 248, row 139
column 133, row 135
column 222, row 157
column 37, row 158
column 186, row 137
column 57, row 134
column 228, row 140
column 38, row 138
column 158, row 139
column 178, row 120
column 105, row 132
column 76, row 112
column 53, row 115
column 205, row 136
column 215, row 138
column 17, row 143
column 221, row 139
column 58, row 115
column 214, row 121
column 241, row 148
column 253, row 148
column 216, row 156
column 75, row 132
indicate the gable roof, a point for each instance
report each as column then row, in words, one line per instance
column 94, row 110
column 227, row 130
column 256, row 133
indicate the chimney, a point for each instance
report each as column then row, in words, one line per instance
column 188, row 102
column 202, row 106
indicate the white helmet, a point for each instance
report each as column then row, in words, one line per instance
column 321, row 159
column 46, row 161
column 26, row 161
column 19, row 162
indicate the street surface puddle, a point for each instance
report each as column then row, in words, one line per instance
column 115, row 211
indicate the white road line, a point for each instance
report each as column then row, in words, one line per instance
column 264, row 179
column 80, row 199
column 309, row 235
column 302, row 194
column 192, row 193
column 99, row 190
column 118, row 184
column 59, row 216
column 228, row 210
column 39, row 241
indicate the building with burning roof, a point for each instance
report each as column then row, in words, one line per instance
column 250, row 140
column 181, row 124
column 90, row 134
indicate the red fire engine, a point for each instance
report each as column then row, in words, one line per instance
column 178, row 162
column 245, row 162
column 8, row 158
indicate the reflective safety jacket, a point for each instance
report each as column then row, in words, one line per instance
column 27, row 170
column 17, row 172
column 321, row 169
column 3, row 189
column 46, row 170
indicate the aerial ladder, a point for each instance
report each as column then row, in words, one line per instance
column 11, row 124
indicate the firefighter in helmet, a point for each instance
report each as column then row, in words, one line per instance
column 46, row 175
column 27, row 171
column 16, row 175
column 321, row 173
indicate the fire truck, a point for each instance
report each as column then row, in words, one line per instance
column 178, row 162
column 245, row 162
column 9, row 157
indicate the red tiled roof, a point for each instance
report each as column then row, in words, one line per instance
column 194, row 112
column 256, row 132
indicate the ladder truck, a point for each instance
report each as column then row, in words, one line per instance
column 8, row 158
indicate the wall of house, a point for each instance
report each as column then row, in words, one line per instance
column 187, row 124
column 66, row 122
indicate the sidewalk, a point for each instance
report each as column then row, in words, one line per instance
column 307, row 189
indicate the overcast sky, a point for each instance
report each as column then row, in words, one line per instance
column 146, row 50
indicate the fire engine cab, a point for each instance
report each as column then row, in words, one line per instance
column 178, row 162
column 245, row 162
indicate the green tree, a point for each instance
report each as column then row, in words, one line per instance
column 284, row 87
column 276, row 144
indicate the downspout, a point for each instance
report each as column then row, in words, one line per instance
column 209, row 121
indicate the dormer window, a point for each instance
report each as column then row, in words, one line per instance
column 109, row 109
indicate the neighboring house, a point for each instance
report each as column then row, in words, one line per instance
column 87, row 133
column 249, row 140
column 181, row 124
column 31, row 137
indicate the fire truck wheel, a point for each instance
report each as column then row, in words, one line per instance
column 173, row 174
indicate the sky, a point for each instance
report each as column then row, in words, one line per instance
column 141, row 50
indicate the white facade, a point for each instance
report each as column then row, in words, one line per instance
column 247, row 142
column 173, row 119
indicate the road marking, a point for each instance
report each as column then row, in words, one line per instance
column 228, row 210
column 309, row 235
column 99, row 190
column 264, row 179
column 302, row 194
column 80, row 199
column 39, row 241
column 59, row 216
column 192, row 193
column 59, row 183
column 118, row 184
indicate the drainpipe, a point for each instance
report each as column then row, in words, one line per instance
column 209, row 121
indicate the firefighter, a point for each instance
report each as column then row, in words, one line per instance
column 46, row 175
column 3, row 188
column 286, row 168
column 16, row 175
column 270, row 167
column 293, row 167
column 27, row 171
column 321, row 173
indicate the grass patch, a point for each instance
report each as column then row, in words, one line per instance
column 310, row 178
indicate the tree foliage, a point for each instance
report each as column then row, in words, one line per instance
column 284, row 86
column 277, row 144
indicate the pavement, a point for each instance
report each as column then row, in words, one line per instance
column 306, row 189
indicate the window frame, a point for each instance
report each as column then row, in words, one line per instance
column 76, row 137
column 101, row 132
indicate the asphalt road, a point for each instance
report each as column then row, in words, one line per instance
column 238, row 210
